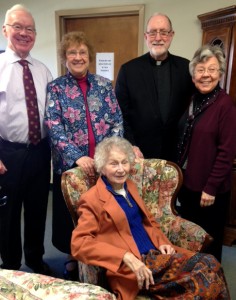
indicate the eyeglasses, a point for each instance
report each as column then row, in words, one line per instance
column 163, row 33
column 211, row 71
column 19, row 28
column 73, row 53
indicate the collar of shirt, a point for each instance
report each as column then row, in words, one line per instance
column 110, row 188
column 154, row 61
column 12, row 57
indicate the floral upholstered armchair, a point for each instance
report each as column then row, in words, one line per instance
column 158, row 182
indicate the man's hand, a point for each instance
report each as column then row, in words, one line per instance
column 3, row 169
column 137, row 152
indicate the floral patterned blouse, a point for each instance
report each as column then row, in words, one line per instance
column 65, row 117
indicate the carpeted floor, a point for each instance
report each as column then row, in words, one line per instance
column 56, row 259
column 229, row 265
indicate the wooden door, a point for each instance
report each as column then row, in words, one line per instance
column 118, row 30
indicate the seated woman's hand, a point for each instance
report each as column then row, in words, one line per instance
column 167, row 249
column 143, row 274
column 87, row 164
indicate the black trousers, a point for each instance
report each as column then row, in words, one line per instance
column 211, row 218
column 26, row 184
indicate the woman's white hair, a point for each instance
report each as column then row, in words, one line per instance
column 104, row 148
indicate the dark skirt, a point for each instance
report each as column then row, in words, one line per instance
column 211, row 218
column 62, row 225
column 179, row 277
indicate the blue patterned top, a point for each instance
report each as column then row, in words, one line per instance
column 65, row 117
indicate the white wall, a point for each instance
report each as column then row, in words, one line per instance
column 183, row 14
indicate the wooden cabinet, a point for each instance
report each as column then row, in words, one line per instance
column 219, row 28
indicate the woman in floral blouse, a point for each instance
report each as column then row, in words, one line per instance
column 81, row 110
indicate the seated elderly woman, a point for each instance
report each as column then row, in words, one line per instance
column 115, row 231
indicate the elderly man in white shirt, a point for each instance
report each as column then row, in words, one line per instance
column 24, row 165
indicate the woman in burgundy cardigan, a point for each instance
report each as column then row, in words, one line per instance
column 207, row 147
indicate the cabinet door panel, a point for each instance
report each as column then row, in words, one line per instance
column 220, row 36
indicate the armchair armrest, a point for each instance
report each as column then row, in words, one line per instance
column 184, row 233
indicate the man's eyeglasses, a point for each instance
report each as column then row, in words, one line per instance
column 73, row 53
column 163, row 33
column 19, row 28
column 211, row 71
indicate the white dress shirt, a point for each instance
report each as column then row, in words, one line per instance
column 13, row 112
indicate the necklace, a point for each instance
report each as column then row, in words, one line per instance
column 123, row 193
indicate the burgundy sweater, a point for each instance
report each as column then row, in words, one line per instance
column 213, row 148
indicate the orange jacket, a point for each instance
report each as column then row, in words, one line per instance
column 102, row 236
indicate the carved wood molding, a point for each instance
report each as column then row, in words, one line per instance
column 218, row 17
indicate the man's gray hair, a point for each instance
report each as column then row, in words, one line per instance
column 16, row 7
column 163, row 15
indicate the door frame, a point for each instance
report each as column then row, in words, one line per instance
column 62, row 15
